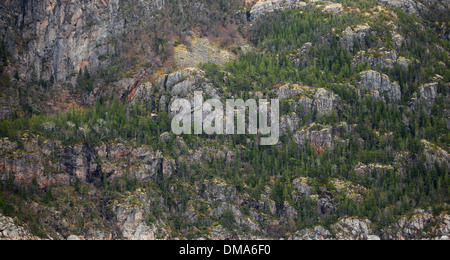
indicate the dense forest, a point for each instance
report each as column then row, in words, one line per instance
column 382, row 129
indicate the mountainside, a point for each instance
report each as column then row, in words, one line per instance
column 87, row 87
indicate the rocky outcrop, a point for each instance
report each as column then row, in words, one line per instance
column 200, row 50
column 366, row 170
column 375, row 81
column 348, row 228
column 317, row 233
column 351, row 190
column 417, row 6
column 58, row 38
column 131, row 217
column 409, row 6
column 321, row 137
column 381, row 59
column 263, row 7
column 303, row 98
column 120, row 43
column 354, row 229
column 50, row 163
column 435, row 155
column 289, row 123
column 428, row 94
column 288, row 91
column 160, row 94
column 334, row 8
column 216, row 190
column 325, row 102
column 10, row 231
column 357, row 34
column 299, row 56
column 422, row 225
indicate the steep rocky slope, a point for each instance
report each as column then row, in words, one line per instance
column 50, row 43
column 363, row 90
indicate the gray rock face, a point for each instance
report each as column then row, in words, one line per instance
column 428, row 93
column 132, row 221
column 306, row 98
column 353, row 229
column 301, row 186
column 421, row 225
column 334, row 8
column 51, row 163
column 381, row 59
column 317, row 233
column 375, row 81
column 346, row 229
column 350, row 35
column 409, row 6
column 59, row 37
column 435, row 154
column 321, row 137
column 9, row 230
column 263, row 7
column 289, row 91
column 289, row 123
column 73, row 238
column 217, row 191
column 180, row 84
column 325, row 101
column 367, row 169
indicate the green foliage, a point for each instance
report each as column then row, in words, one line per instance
column 228, row 220
column 85, row 81
column 105, row 121
column 3, row 56
column 380, row 130
column 5, row 79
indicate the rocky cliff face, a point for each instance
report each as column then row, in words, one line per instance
column 431, row 10
column 357, row 34
column 417, row 7
column 51, row 163
column 383, row 59
column 304, row 98
column 263, row 7
column 321, row 137
column 212, row 203
column 375, row 81
column 50, row 40
column 407, row 228
column 10, row 231
column 173, row 188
